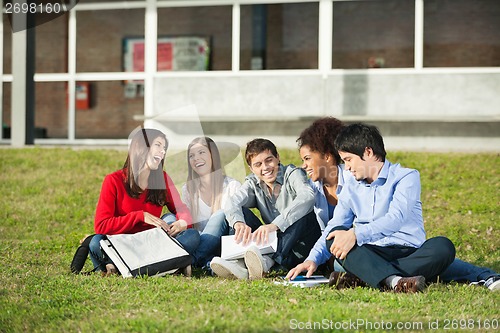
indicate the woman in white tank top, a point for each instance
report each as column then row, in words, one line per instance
column 205, row 193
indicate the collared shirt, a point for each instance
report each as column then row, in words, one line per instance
column 294, row 200
column 321, row 205
column 386, row 212
column 319, row 253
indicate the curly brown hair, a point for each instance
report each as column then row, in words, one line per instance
column 320, row 136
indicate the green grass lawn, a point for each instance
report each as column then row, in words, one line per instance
column 48, row 202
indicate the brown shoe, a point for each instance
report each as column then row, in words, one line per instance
column 410, row 284
column 334, row 279
column 341, row 280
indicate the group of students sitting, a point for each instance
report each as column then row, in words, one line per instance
column 361, row 219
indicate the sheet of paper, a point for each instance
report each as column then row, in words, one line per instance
column 230, row 250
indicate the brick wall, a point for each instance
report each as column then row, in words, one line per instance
column 455, row 35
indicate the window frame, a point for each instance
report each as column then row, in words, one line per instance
column 150, row 73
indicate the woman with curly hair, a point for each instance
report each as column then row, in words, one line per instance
column 322, row 164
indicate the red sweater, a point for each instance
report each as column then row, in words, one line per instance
column 118, row 213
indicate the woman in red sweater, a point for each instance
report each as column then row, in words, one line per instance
column 132, row 199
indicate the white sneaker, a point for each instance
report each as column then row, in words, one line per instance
column 234, row 269
column 257, row 263
column 493, row 283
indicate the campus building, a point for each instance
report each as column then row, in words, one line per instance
column 258, row 67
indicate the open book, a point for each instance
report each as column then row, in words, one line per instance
column 230, row 250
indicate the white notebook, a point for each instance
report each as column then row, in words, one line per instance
column 230, row 250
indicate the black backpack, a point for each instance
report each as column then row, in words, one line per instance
column 80, row 256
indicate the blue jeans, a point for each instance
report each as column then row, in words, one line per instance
column 97, row 255
column 461, row 271
column 210, row 239
column 189, row 239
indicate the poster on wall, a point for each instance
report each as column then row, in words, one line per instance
column 182, row 53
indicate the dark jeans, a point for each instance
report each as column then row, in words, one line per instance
column 461, row 271
column 373, row 264
column 295, row 242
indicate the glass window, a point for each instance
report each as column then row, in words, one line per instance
column 51, row 110
column 51, row 46
column 6, row 114
column 7, row 45
column 371, row 34
column 194, row 38
column 100, row 36
column 41, row 126
column 109, row 111
column 279, row 36
column 461, row 33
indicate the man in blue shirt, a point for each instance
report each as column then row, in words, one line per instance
column 377, row 227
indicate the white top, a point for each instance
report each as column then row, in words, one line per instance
column 230, row 186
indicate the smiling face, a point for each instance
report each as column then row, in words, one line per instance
column 314, row 163
column 156, row 153
column 265, row 166
column 200, row 159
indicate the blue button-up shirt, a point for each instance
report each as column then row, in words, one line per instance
column 294, row 201
column 386, row 212
column 321, row 205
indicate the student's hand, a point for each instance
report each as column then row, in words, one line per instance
column 343, row 243
column 156, row 221
column 242, row 233
column 308, row 265
column 261, row 235
column 177, row 227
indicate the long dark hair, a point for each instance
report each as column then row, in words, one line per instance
column 136, row 159
column 216, row 176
